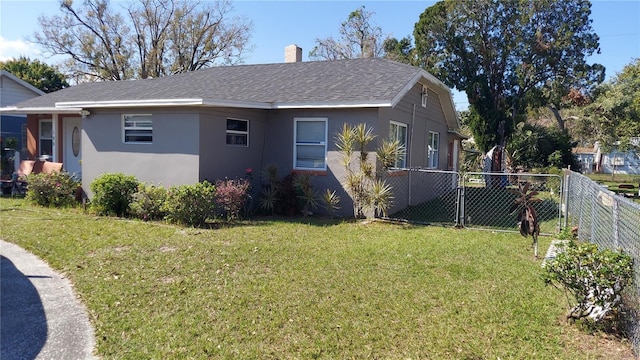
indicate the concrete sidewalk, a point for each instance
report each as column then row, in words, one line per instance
column 40, row 316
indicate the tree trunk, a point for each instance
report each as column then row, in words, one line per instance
column 557, row 115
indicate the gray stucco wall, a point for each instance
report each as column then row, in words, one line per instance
column 219, row 160
column 171, row 159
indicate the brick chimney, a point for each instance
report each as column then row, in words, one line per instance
column 292, row 53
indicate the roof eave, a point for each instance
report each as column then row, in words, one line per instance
column 128, row 103
column 332, row 105
column 40, row 110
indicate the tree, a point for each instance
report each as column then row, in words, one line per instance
column 152, row 38
column 43, row 76
column 612, row 116
column 535, row 146
column 507, row 56
column 359, row 38
column 399, row 50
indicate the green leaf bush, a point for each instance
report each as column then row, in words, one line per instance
column 191, row 205
column 57, row 189
column 149, row 203
column 113, row 193
column 594, row 278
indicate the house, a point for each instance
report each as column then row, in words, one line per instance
column 596, row 160
column 586, row 157
column 217, row 122
column 12, row 91
column 620, row 161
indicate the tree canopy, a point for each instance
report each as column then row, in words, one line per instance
column 42, row 76
column 359, row 38
column 613, row 116
column 146, row 38
column 508, row 56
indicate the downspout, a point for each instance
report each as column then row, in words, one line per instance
column 410, row 158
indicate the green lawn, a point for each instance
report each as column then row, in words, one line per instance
column 613, row 184
column 304, row 289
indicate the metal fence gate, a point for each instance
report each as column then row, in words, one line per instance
column 424, row 196
column 486, row 200
column 475, row 200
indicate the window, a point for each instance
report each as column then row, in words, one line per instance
column 432, row 149
column 398, row 131
column 137, row 128
column 237, row 132
column 46, row 139
column 310, row 144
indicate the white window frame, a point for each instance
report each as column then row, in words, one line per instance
column 40, row 138
column 296, row 121
column 433, row 153
column 237, row 132
column 133, row 128
column 401, row 161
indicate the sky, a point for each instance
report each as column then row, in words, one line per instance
column 277, row 24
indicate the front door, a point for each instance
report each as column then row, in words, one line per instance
column 72, row 149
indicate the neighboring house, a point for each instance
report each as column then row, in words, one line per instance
column 595, row 160
column 622, row 162
column 586, row 156
column 217, row 122
column 12, row 91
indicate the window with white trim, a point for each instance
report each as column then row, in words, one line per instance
column 398, row 131
column 237, row 132
column 432, row 149
column 310, row 143
column 45, row 146
column 137, row 128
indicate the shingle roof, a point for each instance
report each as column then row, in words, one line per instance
column 319, row 82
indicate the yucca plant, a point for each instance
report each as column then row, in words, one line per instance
column 389, row 151
column 381, row 197
column 330, row 201
column 269, row 199
column 308, row 194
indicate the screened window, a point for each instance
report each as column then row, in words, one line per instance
column 310, row 143
column 237, row 132
column 398, row 131
column 137, row 129
column 434, row 143
column 46, row 138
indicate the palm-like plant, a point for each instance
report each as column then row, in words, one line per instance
column 527, row 215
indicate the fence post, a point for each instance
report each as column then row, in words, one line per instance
column 616, row 220
column 565, row 197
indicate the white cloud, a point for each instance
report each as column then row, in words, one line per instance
column 10, row 49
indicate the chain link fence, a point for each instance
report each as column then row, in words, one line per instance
column 610, row 221
column 424, row 196
column 477, row 200
column 487, row 200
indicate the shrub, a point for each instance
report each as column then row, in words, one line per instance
column 113, row 193
column 330, row 202
column 149, row 202
column 191, row 205
column 307, row 194
column 55, row 189
column 594, row 278
column 231, row 196
column 278, row 196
